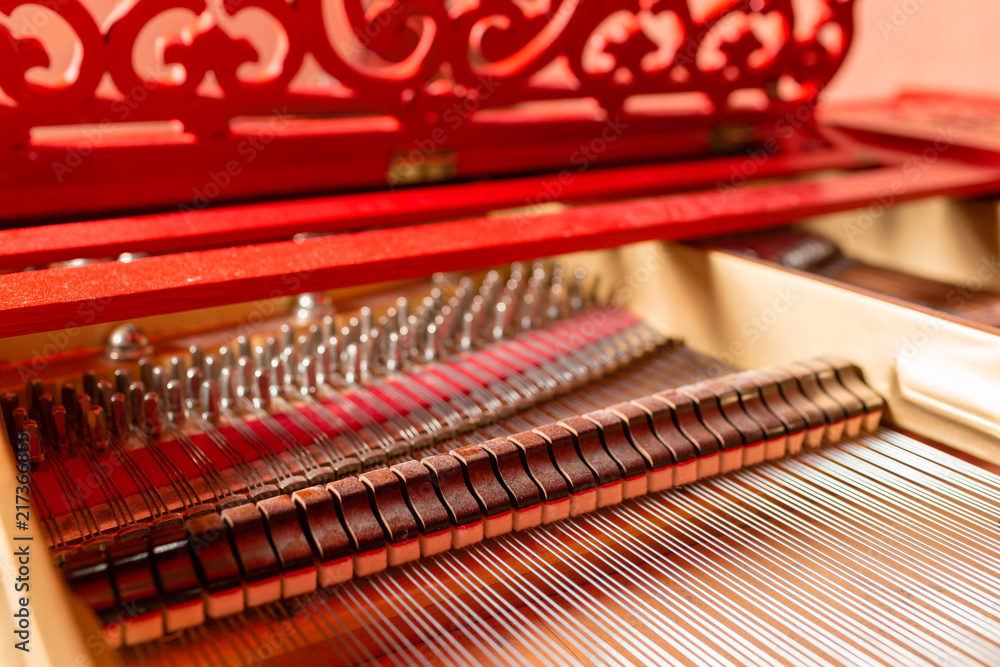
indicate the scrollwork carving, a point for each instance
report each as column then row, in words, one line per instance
column 404, row 57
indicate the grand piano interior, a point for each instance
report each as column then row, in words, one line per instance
column 493, row 334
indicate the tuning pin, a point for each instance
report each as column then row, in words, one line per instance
column 409, row 337
column 151, row 414
column 178, row 370
column 465, row 342
column 351, row 369
column 388, row 321
column 67, row 396
column 83, row 407
column 227, row 388
column 210, row 401
column 556, row 299
column 492, row 277
column 146, row 373
column 272, row 349
column 123, row 378
column 595, row 291
column 307, row 375
column 346, row 335
column 527, row 312
column 226, row 357
column 499, row 332
column 33, row 390
column 287, row 336
column 289, row 366
column 136, row 391
column 90, row 385
column 243, row 346
column 511, row 287
column 353, row 330
column 192, row 390
column 262, row 388
column 315, row 336
column 211, row 366
column 335, row 351
column 365, row 320
column 104, row 393
column 19, row 417
column 324, row 365
column 35, row 454
column 328, row 327
column 59, row 426
column 478, row 310
column 119, row 414
column 197, row 356
column 576, row 290
column 242, row 378
column 431, row 342
column 364, row 363
column 457, row 309
column 98, row 426
column 8, row 402
column 442, row 333
column 45, row 413
column 305, row 346
column 428, row 306
column 393, row 352
column 160, row 382
column 402, row 312
column 175, row 401
column 544, row 305
column 373, row 348
column 277, row 374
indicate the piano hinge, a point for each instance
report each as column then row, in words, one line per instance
column 730, row 138
column 417, row 166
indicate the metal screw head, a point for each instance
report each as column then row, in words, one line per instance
column 128, row 343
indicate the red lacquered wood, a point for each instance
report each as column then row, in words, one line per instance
column 64, row 297
column 276, row 221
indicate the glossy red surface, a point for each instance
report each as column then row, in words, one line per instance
column 66, row 297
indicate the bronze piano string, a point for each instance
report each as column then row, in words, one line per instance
column 822, row 558
column 513, row 480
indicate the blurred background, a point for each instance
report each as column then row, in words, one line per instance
column 950, row 44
